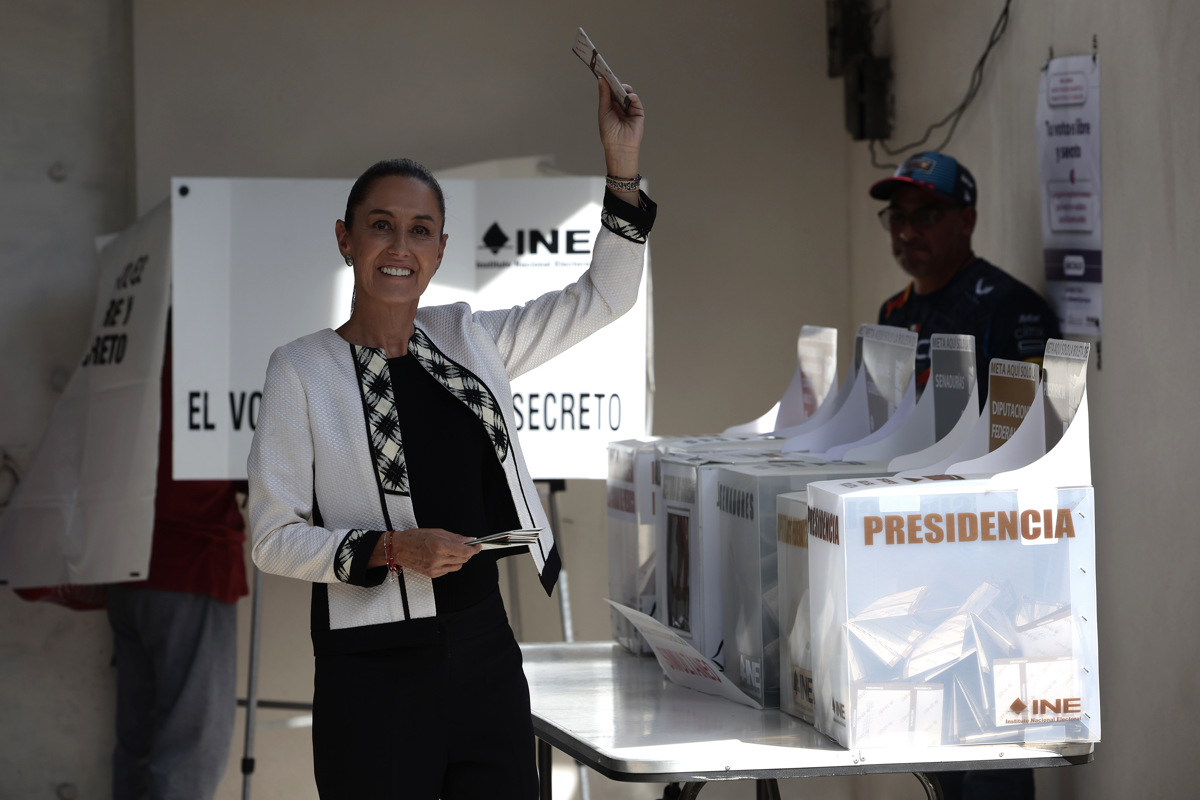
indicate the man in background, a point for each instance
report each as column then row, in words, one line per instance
column 931, row 216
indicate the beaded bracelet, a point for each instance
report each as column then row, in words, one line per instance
column 623, row 184
column 390, row 554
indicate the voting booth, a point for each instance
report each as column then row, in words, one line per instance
column 84, row 511
column 238, row 295
column 246, row 265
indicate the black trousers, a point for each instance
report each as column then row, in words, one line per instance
column 449, row 719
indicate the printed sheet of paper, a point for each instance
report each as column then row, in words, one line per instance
column 681, row 662
column 1068, row 136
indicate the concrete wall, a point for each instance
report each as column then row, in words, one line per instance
column 66, row 176
column 765, row 226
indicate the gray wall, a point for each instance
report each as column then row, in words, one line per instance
column 765, row 225
column 66, row 176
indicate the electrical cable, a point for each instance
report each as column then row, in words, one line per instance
column 955, row 115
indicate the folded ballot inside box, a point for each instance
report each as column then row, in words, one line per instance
column 750, row 593
column 974, row 596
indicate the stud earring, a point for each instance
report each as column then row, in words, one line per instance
column 349, row 261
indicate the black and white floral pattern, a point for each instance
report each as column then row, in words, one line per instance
column 622, row 228
column 628, row 221
column 345, row 554
column 375, row 383
column 463, row 384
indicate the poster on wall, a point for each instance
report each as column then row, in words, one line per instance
column 1068, row 134
column 256, row 265
column 84, row 511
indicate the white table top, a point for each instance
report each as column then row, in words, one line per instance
column 618, row 714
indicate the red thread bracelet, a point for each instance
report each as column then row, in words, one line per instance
column 390, row 554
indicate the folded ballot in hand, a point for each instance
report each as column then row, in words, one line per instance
column 517, row 538
column 590, row 56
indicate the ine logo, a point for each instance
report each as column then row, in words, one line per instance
column 1041, row 707
column 494, row 238
column 534, row 241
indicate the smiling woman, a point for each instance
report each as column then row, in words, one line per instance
column 383, row 447
column 392, row 237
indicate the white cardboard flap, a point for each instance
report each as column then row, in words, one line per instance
column 945, row 451
column 681, row 662
column 884, row 441
column 849, row 423
column 1026, row 445
column 833, row 402
column 813, row 382
column 886, row 373
column 1069, row 463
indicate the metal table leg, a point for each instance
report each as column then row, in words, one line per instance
column 252, row 684
column 766, row 789
column 545, row 757
column 931, row 785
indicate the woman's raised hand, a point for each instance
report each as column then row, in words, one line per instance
column 620, row 131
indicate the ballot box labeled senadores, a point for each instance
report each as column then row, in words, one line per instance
column 746, row 497
column 635, row 511
column 960, row 608
column 688, row 545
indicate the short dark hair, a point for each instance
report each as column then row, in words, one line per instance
column 404, row 167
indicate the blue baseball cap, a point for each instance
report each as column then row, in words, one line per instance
column 934, row 172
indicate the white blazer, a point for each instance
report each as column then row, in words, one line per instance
column 327, row 465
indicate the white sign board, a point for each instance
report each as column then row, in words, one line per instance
column 256, row 265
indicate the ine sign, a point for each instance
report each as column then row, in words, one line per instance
column 255, row 265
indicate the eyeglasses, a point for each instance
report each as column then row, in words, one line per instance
column 921, row 219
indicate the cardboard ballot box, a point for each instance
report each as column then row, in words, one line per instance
column 688, row 543
column 632, row 507
column 634, row 510
column 796, row 695
column 949, row 612
column 718, row 444
column 960, row 608
column 750, row 592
